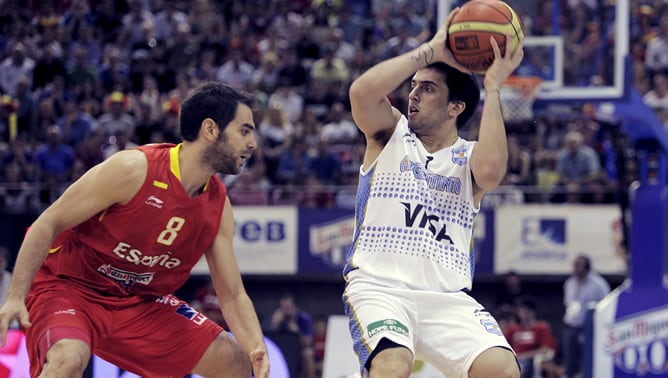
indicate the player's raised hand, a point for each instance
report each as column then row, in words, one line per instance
column 439, row 45
column 503, row 66
column 10, row 310
column 260, row 361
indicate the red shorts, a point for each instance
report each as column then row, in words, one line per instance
column 152, row 338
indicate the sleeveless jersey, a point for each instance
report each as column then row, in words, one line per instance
column 146, row 247
column 414, row 216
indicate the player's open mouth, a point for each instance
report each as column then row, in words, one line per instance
column 413, row 110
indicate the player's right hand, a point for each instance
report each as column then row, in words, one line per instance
column 12, row 309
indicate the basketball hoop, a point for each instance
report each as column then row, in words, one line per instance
column 518, row 94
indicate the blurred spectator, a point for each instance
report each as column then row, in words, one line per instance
column 46, row 68
column 339, row 128
column 250, row 187
column 324, row 165
column 657, row 97
column 656, row 54
column 135, row 25
column 16, row 194
column 90, row 151
column 182, row 50
column 519, row 163
column 117, row 118
column 54, row 161
column 287, row 98
column 577, row 164
column 118, row 142
column 292, row 70
column 114, row 70
column 88, row 45
column 27, row 108
column 329, row 68
column 277, row 134
column 77, row 18
column 236, row 72
column 288, row 317
column 168, row 20
column 509, row 292
column 74, row 123
column 532, row 340
column 18, row 64
column 583, row 288
column 266, row 76
column 292, row 163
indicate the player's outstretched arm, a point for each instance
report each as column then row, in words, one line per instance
column 237, row 308
column 490, row 156
column 115, row 180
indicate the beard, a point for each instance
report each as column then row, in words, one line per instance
column 221, row 158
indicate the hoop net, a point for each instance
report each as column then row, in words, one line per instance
column 518, row 94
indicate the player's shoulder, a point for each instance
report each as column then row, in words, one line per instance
column 131, row 164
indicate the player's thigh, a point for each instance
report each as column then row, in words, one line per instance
column 454, row 331
column 377, row 313
column 165, row 337
column 495, row 362
column 61, row 313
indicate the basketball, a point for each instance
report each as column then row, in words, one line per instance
column 470, row 29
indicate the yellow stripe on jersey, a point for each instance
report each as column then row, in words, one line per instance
column 174, row 161
column 174, row 164
column 160, row 184
column 102, row 214
column 54, row 250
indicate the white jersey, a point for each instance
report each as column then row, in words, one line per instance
column 414, row 216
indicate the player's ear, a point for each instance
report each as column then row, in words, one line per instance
column 456, row 107
column 209, row 129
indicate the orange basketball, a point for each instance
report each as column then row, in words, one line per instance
column 478, row 20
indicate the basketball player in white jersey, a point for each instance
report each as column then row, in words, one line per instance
column 410, row 264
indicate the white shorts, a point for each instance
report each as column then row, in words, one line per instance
column 446, row 330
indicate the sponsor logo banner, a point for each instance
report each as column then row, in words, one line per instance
column 540, row 239
column 265, row 240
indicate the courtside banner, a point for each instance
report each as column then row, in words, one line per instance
column 324, row 239
column 265, row 240
column 545, row 239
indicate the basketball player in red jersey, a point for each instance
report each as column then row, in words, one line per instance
column 96, row 271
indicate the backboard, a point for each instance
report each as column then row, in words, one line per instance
column 578, row 47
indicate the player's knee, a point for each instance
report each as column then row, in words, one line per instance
column 66, row 358
column 394, row 363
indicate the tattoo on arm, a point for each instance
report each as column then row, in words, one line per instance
column 426, row 53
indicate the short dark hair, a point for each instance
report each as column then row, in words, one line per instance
column 462, row 87
column 213, row 100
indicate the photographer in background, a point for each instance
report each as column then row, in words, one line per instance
column 287, row 317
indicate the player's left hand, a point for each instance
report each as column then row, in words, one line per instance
column 503, row 66
column 439, row 45
column 260, row 361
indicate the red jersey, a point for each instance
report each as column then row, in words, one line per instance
column 526, row 339
column 146, row 247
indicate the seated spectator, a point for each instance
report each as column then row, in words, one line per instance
column 339, row 129
column 16, row 194
column 118, row 117
column 531, row 339
column 577, row 164
column 288, row 317
column 657, row 97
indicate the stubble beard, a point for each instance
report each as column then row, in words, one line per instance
column 221, row 158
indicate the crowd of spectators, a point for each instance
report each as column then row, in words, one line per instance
column 80, row 80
